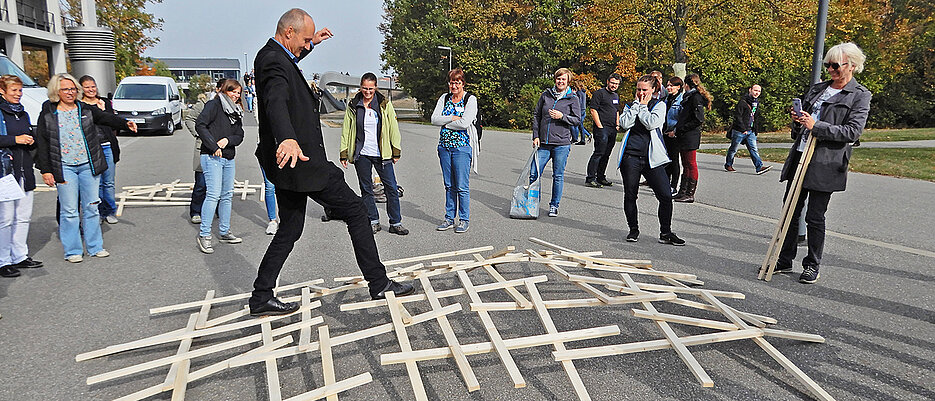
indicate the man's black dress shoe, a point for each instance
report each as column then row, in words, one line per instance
column 274, row 307
column 28, row 263
column 400, row 289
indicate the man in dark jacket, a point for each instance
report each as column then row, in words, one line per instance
column 292, row 153
column 746, row 125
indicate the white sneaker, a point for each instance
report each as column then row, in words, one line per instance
column 272, row 227
column 74, row 258
column 111, row 219
column 102, row 254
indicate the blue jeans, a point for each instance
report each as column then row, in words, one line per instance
column 579, row 133
column 736, row 138
column 108, row 204
column 364, row 165
column 198, row 194
column 219, row 180
column 81, row 188
column 456, row 170
column 559, row 156
column 270, row 199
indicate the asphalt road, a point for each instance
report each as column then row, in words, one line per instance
column 874, row 303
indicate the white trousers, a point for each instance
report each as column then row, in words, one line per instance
column 14, row 228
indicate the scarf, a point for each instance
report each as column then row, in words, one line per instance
column 558, row 95
column 233, row 110
column 12, row 108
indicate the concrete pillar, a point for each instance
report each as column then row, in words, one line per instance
column 14, row 48
column 58, row 59
column 12, row 14
column 88, row 13
column 55, row 9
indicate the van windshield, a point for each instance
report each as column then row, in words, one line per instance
column 141, row 92
column 7, row 67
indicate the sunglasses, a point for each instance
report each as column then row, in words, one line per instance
column 834, row 66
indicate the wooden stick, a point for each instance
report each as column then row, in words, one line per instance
column 444, row 294
column 519, row 298
column 203, row 314
column 306, row 333
column 549, row 325
column 411, row 368
column 272, row 370
column 574, row 303
column 246, row 184
column 691, row 321
column 178, row 373
column 470, row 380
column 334, row 389
column 493, row 333
column 229, row 298
column 436, row 256
column 327, row 361
column 652, row 345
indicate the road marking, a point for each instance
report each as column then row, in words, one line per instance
column 895, row 247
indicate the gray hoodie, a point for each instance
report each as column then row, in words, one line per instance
column 551, row 131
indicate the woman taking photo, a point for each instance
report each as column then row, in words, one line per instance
column 108, row 206
column 834, row 112
column 70, row 158
column 220, row 127
column 643, row 153
column 688, row 132
column 455, row 112
column 556, row 113
column 16, row 146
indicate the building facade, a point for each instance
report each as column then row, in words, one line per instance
column 36, row 27
column 183, row 69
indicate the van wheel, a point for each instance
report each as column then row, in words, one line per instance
column 170, row 130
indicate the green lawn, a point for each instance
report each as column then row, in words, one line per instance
column 873, row 135
column 911, row 163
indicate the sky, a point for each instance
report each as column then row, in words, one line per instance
column 230, row 28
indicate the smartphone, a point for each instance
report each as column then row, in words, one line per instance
column 797, row 107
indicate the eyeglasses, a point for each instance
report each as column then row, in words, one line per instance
column 69, row 90
column 834, row 66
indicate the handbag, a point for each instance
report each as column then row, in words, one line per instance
column 525, row 204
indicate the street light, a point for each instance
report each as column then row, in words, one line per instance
column 449, row 55
column 245, row 65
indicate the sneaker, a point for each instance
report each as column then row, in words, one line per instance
column 444, row 226
column 399, row 230
column 113, row 219
column 671, row 238
column 809, row 275
column 229, row 239
column 763, row 169
column 462, row 227
column 729, row 168
column 28, row 263
column 196, row 219
column 675, row 191
column 272, row 227
column 779, row 269
column 74, row 258
column 593, row 184
column 553, row 211
column 376, row 227
column 633, row 235
column 204, row 244
column 102, row 254
column 604, row 182
column 9, row 271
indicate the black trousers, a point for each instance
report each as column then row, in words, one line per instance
column 631, row 168
column 672, row 169
column 815, row 227
column 199, row 191
column 604, row 141
column 343, row 204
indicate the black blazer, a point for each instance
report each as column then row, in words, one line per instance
column 213, row 124
column 288, row 109
column 109, row 134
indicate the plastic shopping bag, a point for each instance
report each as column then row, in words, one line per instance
column 525, row 203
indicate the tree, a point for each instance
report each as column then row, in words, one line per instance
column 150, row 66
column 199, row 84
column 130, row 23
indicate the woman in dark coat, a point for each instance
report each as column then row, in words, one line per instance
column 110, row 146
column 688, row 132
column 834, row 112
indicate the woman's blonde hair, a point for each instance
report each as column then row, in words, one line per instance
column 56, row 83
column 563, row 71
column 849, row 51
column 7, row 80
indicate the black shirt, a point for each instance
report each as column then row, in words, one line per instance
column 606, row 103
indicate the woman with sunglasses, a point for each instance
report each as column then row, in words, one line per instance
column 834, row 113
column 70, row 158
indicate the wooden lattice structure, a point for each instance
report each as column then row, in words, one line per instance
column 632, row 284
column 175, row 193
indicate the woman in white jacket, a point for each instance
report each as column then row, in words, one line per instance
column 643, row 153
column 455, row 112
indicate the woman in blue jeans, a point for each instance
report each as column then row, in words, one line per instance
column 455, row 112
column 220, row 127
column 70, row 157
column 556, row 113
column 108, row 205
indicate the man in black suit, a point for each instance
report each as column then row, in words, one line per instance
column 292, row 154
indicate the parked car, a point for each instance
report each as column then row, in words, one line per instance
column 33, row 94
column 152, row 102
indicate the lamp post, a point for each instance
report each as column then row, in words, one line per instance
column 449, row 55
column 245, row 69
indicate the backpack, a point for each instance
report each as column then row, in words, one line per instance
column 478, row 122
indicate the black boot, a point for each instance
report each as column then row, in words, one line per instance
column 682, row 189
column 689, row 196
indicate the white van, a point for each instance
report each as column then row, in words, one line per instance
column 151, row 102
column 33, row 94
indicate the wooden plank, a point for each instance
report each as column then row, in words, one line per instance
column 203, row 314
column 229, row 298
column 445, row 294
column 519, row 298
column 792, row 335
column 816, row 390
column 502, row 252
column 580, row 390
column 245, row 311
column 246, row 185
column 686, row 320
column 493, row 333
column 272, row 369
column 574, row 303
column 470, row 380
column 305, row 335
column 327, row 361
column 680, row 290
column 411, row 368
column 652, row 345
column 178, row 373
column 436, row 256
column 334, row 389
column 512, row 343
